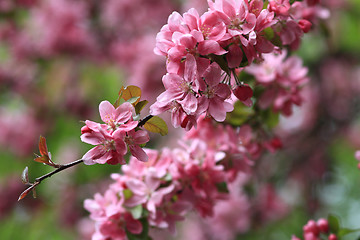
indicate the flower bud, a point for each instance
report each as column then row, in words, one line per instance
column 311, row 227
column 323, row 225
column 332, row 237
column 312, row 2
column 243, row 92
column 305, row 25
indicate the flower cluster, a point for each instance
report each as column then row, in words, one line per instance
column 173, row 182
column 114, row 136
column 282, row 78
column 204, row 51
column 313, row 230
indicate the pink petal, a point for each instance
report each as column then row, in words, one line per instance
column 107, row 111
column 223, row 91
column 191, row 18
column 210, row 46
column 93, row 138
column 140, row 137
column 132, row 225
column 212, row 75
column 189, row 103
column 228, row 9
column 234, row 56
column 190, row 74
column 137, row 187
column 139, row 153
column 94, row 154
column 124, row 112
column 188, row 41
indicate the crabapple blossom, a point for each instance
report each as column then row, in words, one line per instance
column 282, row 78
column 113, row 137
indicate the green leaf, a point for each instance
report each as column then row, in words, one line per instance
column 136, row 211
column 140, row 106
column 156, row 125
column 222, row 187
column 130, row 92
column 334, row 223
column 344, row 231
column 270, row 118
column 269, row 33
column 240, row 114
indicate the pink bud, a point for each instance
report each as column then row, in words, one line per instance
column 276, row 143
column 357, row 155
column 323, row 225
column 312, row 2
column 243, row 92
column 305, row 25
column 311, row 227
column 332, row 237
column 310, row 236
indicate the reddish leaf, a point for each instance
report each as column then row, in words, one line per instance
column 26, row 192
column 44, row 158
column 42, row 146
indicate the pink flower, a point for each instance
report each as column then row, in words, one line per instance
column 113, row 138
column 280, row 7
column 182, row 89
column 133, row 140
column 283, row 79
column 214, row 94
column 110, row 148
column 117, row 118
column 236, row 16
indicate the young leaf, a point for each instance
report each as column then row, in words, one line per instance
column 26, row 192
column 131, row 92
column 136, row 211
column 240, row 114
column 156, row 125
column 25, row 176
column 334, row 223
column 44, row 158
column 119, row 100
column 133, row 100
column 344, row 231
column 140, row 106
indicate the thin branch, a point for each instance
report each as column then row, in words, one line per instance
column 40, row 179
column 61, row 167
column 143, row 121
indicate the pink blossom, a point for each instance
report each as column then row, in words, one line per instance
column 214, row 94
column 117, row 118
column 280, row 7
column 283, row 79
column 236, row 16
column 110, row 148
column 133, row 140
column 113, row 138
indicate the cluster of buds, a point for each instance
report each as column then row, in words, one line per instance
column 314, row 230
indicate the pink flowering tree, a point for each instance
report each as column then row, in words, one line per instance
column 231, row 74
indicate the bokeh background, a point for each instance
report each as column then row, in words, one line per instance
column 60, row 58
